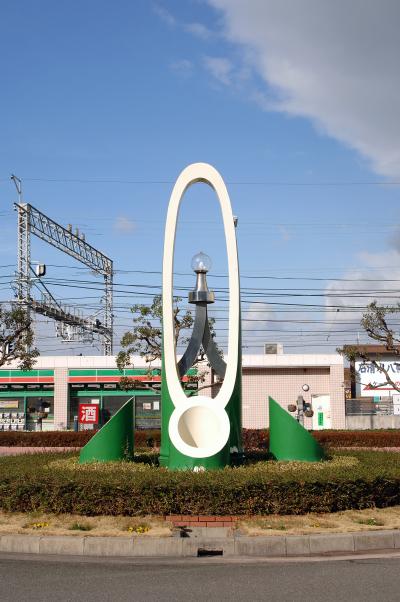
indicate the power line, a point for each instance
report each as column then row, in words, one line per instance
column 311, row 278
column 278, row 183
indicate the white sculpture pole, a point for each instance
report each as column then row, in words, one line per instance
column 199, row 427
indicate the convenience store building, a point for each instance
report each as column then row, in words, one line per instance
column 48, row 397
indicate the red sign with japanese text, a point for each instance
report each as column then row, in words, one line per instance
column 88, row 413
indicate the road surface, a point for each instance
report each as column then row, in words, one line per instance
column 57, row 579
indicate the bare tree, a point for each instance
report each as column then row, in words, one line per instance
column 145, row 340
column 16, row 337
column 376, row 323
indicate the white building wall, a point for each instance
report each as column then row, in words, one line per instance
column 282, row 377
column 60, row 399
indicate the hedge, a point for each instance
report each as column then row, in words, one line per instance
column 67, row 438
column 57, row 483
column 252, row 438
column 259, row 439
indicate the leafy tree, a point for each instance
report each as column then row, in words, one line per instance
column 376, row 322
column 16, row 337
column 145, row 339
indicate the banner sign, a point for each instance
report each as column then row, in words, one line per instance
column 88, row 413
column 8, row 403
column 371, row 381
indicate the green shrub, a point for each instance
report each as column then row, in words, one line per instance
column 259, row 438
column 67, row 438
column 45, row 439
column 57, row 483
column 364, row 438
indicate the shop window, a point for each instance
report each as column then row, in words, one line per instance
column 40, row 405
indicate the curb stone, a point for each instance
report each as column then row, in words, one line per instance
column 232, row 545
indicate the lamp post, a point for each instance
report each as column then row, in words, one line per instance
column 302, row 407
column 201, row 296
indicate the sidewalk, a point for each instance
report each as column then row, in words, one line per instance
column 202, row 542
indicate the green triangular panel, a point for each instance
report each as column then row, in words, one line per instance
column 114, row 441
column 288, row 440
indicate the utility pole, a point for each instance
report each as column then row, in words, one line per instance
column 73, row 324
column 23, row 250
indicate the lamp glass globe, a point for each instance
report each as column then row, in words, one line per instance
column 201, row 262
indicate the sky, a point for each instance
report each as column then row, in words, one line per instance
column 295, row 103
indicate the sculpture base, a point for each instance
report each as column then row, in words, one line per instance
column 174, row 460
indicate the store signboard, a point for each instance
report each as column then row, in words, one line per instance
column 372, row 382
column 8, row 403
column 88, row 413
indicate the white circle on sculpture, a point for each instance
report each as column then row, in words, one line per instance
column 201, row 263
column 200, row 428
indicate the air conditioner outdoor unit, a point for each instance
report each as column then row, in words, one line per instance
column 273, row 348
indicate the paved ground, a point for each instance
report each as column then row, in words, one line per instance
column 50, row 579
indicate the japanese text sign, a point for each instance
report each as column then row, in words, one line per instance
column 88, row 413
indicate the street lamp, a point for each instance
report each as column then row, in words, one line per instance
column 201, row 296
column 302, row 407
column 201, row 264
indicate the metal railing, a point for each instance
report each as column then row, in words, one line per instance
column 367, row 407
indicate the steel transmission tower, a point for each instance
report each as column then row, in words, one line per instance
column 71, row 323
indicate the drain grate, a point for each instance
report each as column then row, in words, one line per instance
column 202, row 552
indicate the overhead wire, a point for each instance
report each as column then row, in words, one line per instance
column 229, row 182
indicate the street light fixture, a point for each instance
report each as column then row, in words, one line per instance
column 302, row 407
column 201, row 264
column 201, row 296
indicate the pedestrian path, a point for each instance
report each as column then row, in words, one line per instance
column 203, row 542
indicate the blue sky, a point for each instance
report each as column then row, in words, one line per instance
column 104, row 103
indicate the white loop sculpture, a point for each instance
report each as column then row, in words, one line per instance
column 199, row 426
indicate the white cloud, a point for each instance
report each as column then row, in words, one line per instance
column 198, row 29
column 195, row 28
column 335, row 63
column 258, row 327
column 220, row 69
column 124, row 225
column 377, row 279
column 182, row 67
column 164, row 14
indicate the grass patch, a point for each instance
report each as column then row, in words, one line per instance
column 77, row 526
column 371, row 522
column 275, row 525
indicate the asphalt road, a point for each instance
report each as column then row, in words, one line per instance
column 51, row 579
